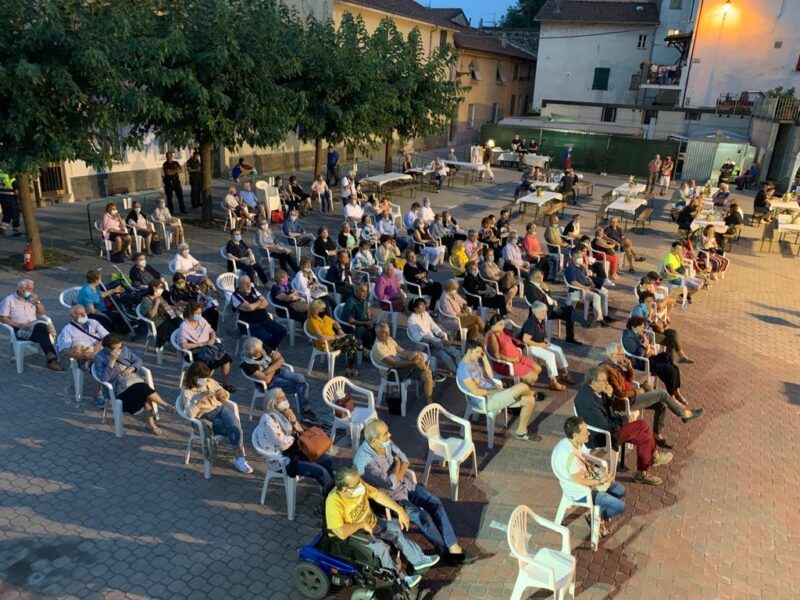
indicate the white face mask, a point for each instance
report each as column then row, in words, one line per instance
column 83, row 320
column 265, row 227
column 578, row 260
column 202, row 382
column 387, row 444
column 185, row 252
column 283, row 405
column 157, row 292
column 358, row 491
column 161, row 205
column 137, row 210
column 115, row 212
column 142, row 263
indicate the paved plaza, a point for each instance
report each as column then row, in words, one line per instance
column 86, row 515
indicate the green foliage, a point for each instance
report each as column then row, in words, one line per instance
column 522, row 15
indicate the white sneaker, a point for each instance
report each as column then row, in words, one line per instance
column 241, row 465
column 412, row 581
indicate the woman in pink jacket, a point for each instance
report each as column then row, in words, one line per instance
column 387, row 288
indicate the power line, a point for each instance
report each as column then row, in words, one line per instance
column 566, row 37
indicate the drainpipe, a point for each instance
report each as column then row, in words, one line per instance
column 691, row 51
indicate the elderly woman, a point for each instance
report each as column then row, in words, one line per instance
column 423, row 330
column 458, row 258
column 477, row 286
column 387, row 288
column 501, row 345
column 156, row 308
column 162, row 215
column 203, row 398
column 714, row 255
column 453, row 304
column 512, row 256
column 139, row 222
column 197, row 335
column 278, row 432
column 369, row 233
column 389, row 252
column 364, row 261
column 115, row 231
column 415, row 273
column 434, row 251
column 237, row 207
column 118, row 365
column 324, row 246
column 192, row 269
column 534, row 336
column 308, row 286
column 606, row 247
column 506, row 280
column 346, row 238
column 638, row 345
column 281, row 294
column 266, row 242
column 330, row 336
column 184, row 291
column 143, row 274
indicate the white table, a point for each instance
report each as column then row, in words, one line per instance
column 380, row 180
column 702, row 222
column 535, row 160
column 626, row 188
column 420, row 171
column 791, row 205
column 538, row 201
column 626, row 205
column 550, row 185
column 789, row 227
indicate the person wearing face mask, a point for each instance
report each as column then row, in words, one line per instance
column 437, row 231
column 81, row 339
column 203, row 398
column 237, row 209
column 428, row 246
column 414, row 273
column 115, row 231
column 368, row 231
column 555, row 242
column 506, row 280
column 352, row 210
column 250, row 306
column 25, row 313
column 478, row 288
column 384, row 466
column 512, row 256
column 576, row 275
column 534, row 336
column 348, row 512
column 593, row 404
column 308, row 286
column 156, row 308
column 196, row 334
column 143, row 274
column 162, row 215
column 278, row 431
column 281, row 294
column 364, row 263
column 453, row 305
column 184, row 291
column 347, row 239
column 268, row 246
column 191, row 268
column 426, row 212
column 94, row 299
column 136, row 220
column 241, row 257
column 662, row 332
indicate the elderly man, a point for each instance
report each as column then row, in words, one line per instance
column 340, row 275
column 409, row 364
column 25, row 313
column 248, row 196
column 593, row 404
column 536, row 291
column 347, row 512
column 294, row 230
column 241, row 257
column 619, row 372
column 512, row 256
column 554, row 240
column 81, row 339
column 538, row 257
column 615, row 234
column 440, row 172
column 356, row 313
column 270, row 367
column 577, row 276
column 384, row 466
column 534, row 336
column 251, row 308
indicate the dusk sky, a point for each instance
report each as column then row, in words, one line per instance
column 488, row 10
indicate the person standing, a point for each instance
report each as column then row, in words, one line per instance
column 653, row 169
column 194, row 168
column 172, row 182
column 568, row 158
column 666, row 175
column 487, row 163
column 9, row 202
column 332, row 170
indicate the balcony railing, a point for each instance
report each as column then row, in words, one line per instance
column 660, row 74
column 784, row 108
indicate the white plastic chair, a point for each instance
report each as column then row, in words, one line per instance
column 276, row 469
column 576, row 294
column 390, row 377
column 476, row 405
column 292, row 241
column 227, row 282
column 231, row 220
column 166, row 234
column 385, row 308
column 266, row 258
column 152, row 335
column 69, row 296
column 227, row 259
column 331, row 355
column 197, row 432
column 260, row 391
column 611, row 455
column 106, row 243
column 450, row 321
column 352, row 422
column 450, row 450
column 116, row 404
column 322, row 274
column 482, row 310
column 21, row 347
column 547, row 568
column 548, row 323
column 641, row 364
column 77, row 379
column 185, row 356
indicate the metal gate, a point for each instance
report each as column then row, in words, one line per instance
column 53, row 181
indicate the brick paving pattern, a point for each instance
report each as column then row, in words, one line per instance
column 86, row 515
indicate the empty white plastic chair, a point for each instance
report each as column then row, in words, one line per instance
column 276, row 469
column 105, row 243
column 185, row 356
column 152, row 335
column 327, row 353
column 198, row 431
column 545, row 568
column 227, row 282
column 69, row 296
column 351, row 421
column 476, row 405
column 452, row 451
column 385, row 308
column 77, row 379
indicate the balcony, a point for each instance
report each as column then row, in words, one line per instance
column 781, row 108
column 658, row 77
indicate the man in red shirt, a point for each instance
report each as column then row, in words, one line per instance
column 533, row 253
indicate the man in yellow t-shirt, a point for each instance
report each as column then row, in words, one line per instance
column 347, row 511
column 673, row 267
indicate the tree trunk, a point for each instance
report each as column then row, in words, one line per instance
column 318, row 158
column 27, row 204
column 387, row 159
column 205, row 195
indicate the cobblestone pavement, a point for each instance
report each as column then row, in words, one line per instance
column 86, row 515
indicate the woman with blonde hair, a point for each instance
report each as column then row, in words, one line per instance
column 330, row 336
column 451, row 303
column 458, row 258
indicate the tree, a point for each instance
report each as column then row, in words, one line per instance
column 217, row 73
column 522, row 15
column 58, row 81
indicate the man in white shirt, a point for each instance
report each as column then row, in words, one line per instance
column 25, row 313
column 411, row 217
column 440, row 172
column 512, row 255
column 80, row 340
column 423, row 329
column 353, row 211
column 348, row 186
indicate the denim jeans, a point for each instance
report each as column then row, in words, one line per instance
column 224, row 422
column 426, row 511
column 269, row 331
column 291, row 383
column 321, row 470
column 389, row 531
column 611, row 501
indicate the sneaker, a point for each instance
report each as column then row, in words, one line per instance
column 428, row 561
column 603, row 323
column 640, row 259
column 412, row 581
column 534, row 438
column 662, row 458
column 686, row 360
column 439, row 378
column 647, row 479
column 241, row 465
column 54, row 365
column 697, row 412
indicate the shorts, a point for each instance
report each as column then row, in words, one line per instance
column 500, row 400
column 114, row 235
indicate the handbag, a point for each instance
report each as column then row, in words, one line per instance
column 314, row 443
column 345, row 401
column 276, row 216
column 211, row 353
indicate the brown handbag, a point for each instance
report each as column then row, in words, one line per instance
column 314, row 443
column 345, row 401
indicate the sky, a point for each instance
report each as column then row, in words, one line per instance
column 488, row 10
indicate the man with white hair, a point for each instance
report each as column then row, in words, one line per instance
column 534, row 336
column 384, row 466
column 409, row 364
column 26, row 314
column 81, row 339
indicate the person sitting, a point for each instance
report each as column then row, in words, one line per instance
column 595, row 269
column 352, row 210
column 473, row 247
column 139, row 222
column 451, row 303
column 241, row 169
column 156, row 308
column 308, row 286
column 251, row 307
column 242, row 258
column 348, row 186
column 566, row 187
column 410, row 218
column 81, row 339
column 681, row 198
column 320, row 191
column 761, row 204
column 659, row 324
column 24, row 312
column 576, row 275
column 593, row 404
column 340, row 275
column 372, row 208
column 688, row 214
column 233, row 203
column 423, row 330
column 184, row 291
column 388, row 229
column 488, row 235
column 426, row 212
column 651, row 282
column 330, row 336
column 505, row 280
column 292, row 228
column 554, row 240
column 364, row 261
column 572, row 231
column 191, row 268
column 114, row 230
column 613, row 233
column 416, row 274
column 451, row 226
column 476, row 376
column 356, row 312
column 714, row 254
column 346, row 239
column 438, row 231
column 384, row 466
column 503, row 347
column 142, row 274
column 266, row 242
column 324, row 246
column 119, row 366
column 526, row 183
column 534, row 337
column 409, row 364
column 661, row 364
column 677, row 273
column 440, row 172
column 197, row 335
column 249, row 198
column 278, row 432
column 368, row 233
column 203, row 398
column 512, row 257
column 734, row 221
column 458, row 258
column 269, row 366
column 433, row 250
column 748, row 178
column 503, row 225
column 536, row 291
column 94, row 299
column 723, row 196
column 387, row 288
column 619, row 371
column 536, row 256
column 298, row 192
column 281, row 294
column 489, row 298
column 571, row 463
column 162, row 215
column 606, row 247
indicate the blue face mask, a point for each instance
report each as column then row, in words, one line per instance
column 197, row 317
column 237, row 238
column 26, row 294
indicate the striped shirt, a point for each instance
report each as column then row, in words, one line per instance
column 86, row 335
column 18, row 310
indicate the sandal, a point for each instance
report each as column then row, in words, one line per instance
column 155, row 431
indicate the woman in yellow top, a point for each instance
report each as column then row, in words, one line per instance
column 204, row 398
column 329, row 336
column 459, row 258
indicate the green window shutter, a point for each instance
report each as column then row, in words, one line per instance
column 600, row 81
